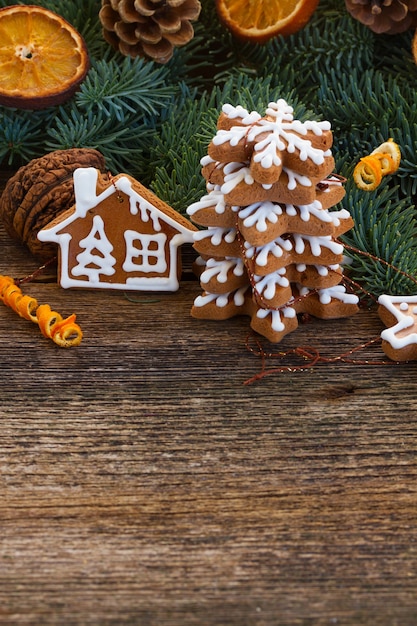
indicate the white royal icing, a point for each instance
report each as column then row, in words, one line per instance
column 221, row 300
column 294, row 179
column 238, row 112
column 220, row 269
column 207, row 160
column 404, row 309
column 276, row 319
column 91, row 264
column 279, row 131
column 314, row 209
column 216, row 234
column 261, row 253
column 322, row 270
column 316, row 244
column 259, row 214
column 236, row 175
column 213, row 199
column 338, row 292
column 267, row 285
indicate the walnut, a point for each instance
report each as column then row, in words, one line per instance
column 41, row 190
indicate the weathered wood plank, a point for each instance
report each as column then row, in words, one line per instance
column 142, row 483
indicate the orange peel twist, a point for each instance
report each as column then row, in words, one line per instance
column 64, row 332
column 385, row 159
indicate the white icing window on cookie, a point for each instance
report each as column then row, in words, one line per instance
column 96, row 258
column 403, row 333
column 145, row 253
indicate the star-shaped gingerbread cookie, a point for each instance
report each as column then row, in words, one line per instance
column 399, row 314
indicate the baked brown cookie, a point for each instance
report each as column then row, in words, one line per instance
column 268, row 230
column 399, row 314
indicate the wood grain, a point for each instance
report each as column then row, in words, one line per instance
column 143, row 483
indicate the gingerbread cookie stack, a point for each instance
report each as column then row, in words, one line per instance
column 269, row 245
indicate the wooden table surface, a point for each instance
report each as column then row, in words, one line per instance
column 143, row 483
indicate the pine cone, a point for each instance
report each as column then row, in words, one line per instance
column 384, row 16
column 148, row 28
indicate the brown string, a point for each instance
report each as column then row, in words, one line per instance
column 311, row 356
column 36, row 273
column 378, row 260
column 113, row 182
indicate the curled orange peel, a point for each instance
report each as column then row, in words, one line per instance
column 387, row 162
column 47, row 319
column 391, row 149
column 67, row 333
column 368, row 173
column 385, row 159
column 64, row 332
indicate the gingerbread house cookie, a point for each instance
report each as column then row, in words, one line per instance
column 269, row 244
column 118, row 235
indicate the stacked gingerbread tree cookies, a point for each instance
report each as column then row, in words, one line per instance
column 269, row 247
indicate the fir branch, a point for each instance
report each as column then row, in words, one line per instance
column 21, row 135
column 319, row 49
column 177, row 149
column 130, row 86
column 181, row 184
column 384, row 228
column 94, row 130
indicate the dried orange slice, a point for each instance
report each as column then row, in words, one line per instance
column 43, row 59
column 260, row 20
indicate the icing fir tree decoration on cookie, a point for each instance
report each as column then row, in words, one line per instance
column 118, row 235
column 399, row 313
column 269, row 248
